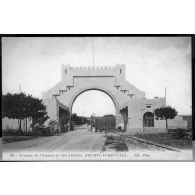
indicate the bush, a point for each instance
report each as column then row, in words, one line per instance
column 181, row 133
column 53, row 127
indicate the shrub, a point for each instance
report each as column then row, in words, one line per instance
column 181, row 133
column 54, row 127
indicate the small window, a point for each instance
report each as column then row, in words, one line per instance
column 120, row 71
column 65, row 71
column 148, row 106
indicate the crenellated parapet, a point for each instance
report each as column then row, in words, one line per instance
column 70, row 71
column 72, row 77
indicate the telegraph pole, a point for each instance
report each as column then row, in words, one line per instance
column 93, row 54
column 165, row 96
column 19, row 88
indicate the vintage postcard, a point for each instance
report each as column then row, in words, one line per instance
column 96, row 98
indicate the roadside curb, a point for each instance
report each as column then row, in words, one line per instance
column 156, row 144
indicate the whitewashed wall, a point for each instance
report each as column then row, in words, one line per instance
column 13, row 124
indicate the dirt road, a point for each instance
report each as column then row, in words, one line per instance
column 78, row 140
column 81, row 140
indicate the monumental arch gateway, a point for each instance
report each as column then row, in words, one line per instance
column 132, row 108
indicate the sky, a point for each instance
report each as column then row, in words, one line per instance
column 151, row 64
column 93, row 102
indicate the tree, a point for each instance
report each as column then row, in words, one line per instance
column 74, row 117
column 36, row 110
column 165, row 113
column 14, row 107
column 20, row 106
column 109, row 115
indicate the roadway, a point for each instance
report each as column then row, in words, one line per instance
column 78, row 140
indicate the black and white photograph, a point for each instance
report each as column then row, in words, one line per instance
column 96, row 98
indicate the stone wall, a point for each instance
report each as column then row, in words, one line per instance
column 177, row 122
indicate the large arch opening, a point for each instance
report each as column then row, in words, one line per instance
column 95, row 107
column 93, row 102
